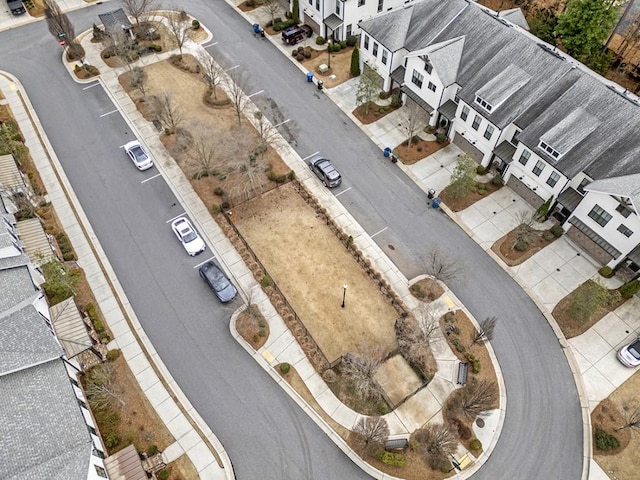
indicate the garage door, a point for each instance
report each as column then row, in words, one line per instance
column 312, row 23
column 466, row 147
column 594, row 250
column 525, row 192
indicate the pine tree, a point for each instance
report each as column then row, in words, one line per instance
column 355, row 62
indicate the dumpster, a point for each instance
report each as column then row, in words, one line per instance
column 309, row 77
column 435, row 203
column 387, row 151
column 320, row 84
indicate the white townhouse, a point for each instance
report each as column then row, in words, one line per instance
column 550, row 126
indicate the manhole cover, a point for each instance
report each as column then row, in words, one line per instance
column 391, row 247
column 480, row 422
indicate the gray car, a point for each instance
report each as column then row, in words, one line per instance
column 218, row 281
column 325, row 171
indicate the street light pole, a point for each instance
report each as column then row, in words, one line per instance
column 344, row 293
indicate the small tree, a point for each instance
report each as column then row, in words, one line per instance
column 436, row 442
column 60, row 280
column 204, row 149
column 413, row 119
column 235, row 87
column 121, row 45
column 371, row 430
column 463, row 178
column 139, row 8
column 484, row 332
column 178, row 25
column 631, row 416
column 212, row 72
column 355, row 62
column 360, row 370
column 543, row 210
column 427, row 317
column 168, row 112
column 588, row 298
column 295, row 13
column 61, row 28
column 139, row 80
column 368, row 87
column 478, row 397
column 102, row 390
column 442, row 267
column 271, row 7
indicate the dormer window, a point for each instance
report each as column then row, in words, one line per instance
column 428, row 68
column 549, row 149
column 623, row 210
column 484, row 104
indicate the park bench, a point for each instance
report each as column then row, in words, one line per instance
column 463, row 371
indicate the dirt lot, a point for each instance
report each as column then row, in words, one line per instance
column 310, row 266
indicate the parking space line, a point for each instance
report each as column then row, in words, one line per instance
column 177, row 216
column 232, row 68
column 151, row 178
column 309, row 156
column 254, row 94
column 210, row 45
column 207, row 260
column 379, row 232
column 282, row 123
column 91, row 86
column 343, row 191
column 108, row 113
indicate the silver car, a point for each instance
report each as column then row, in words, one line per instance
column 629, row 355
column 138, row 156
column 188, row 236
column 325, row 171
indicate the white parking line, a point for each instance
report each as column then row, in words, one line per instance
column 232, row 68
column 282, row 123
column 343, row 191
column 108, row 113
column 309, row 156
column 379, row 232
column 254, row 94
column 177, row 216
column 210, row 45
column 202, row 263
column 151, row 178
column 91, row 86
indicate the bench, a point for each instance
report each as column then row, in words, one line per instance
column 396, row 445
column 463, row 371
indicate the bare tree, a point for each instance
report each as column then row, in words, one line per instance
column 168, row 112
column 361, row 371
column 442, row 267
column 414, row 118
column 436, row 443
column 139, row 8
column 178, row 25
column 484, row 332
column 478, row 397
column 204, row 149
column 212, row 72
column 139, row 80
column 371, row 430
column 427, row 317
column 61, row 28
column 102, row 390
column 235, row 85
column 121, row 45
column 631, row 416
column 272, row 7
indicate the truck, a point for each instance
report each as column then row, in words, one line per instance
column 294, row 34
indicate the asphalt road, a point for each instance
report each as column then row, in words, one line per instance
column 266, row 435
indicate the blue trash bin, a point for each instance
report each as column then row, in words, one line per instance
column 387, row 151
column 256, row 28
column 436, row 202
column 309, row 77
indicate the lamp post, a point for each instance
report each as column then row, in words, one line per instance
column 344, row 293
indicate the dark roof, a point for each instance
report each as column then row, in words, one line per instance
column 115, row 19
column 570, row 199
column 416, row 98
column 504, row 151
column 448, row 109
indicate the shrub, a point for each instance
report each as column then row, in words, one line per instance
column 112, row 440
column 352, row 40
column 285, row 368
column 547, row 235
column 355, row 62
column 265, row 281
column 294, row 53
column 557, row 230
column 394, row 459
column 218, row 191
column 215, row 208
column 628, row 290
column 497, row 180
column 343, row 44
column 195, row 24
column 152, row 450
column 307, row 54
column 164, row 473
column 606, row 272
column 480, row 170
column 226, row 205
column 475, row 444
column 113, row 355
column 320, row 40
column 605, row 441
column 475, row 363
column 396, row 101
column 520, row 245
column 464, row 432
column 441, row 138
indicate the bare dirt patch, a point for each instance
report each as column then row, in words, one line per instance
column 311, row 271
column 480, row 191
column 419, row 149
column 340, row 66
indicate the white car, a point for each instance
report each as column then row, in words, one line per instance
column 188, row 236
column 138, row 156
column 629, row 355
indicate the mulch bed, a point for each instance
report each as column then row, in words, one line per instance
column 419, row 149
column 252, row 326
column 459, row 204
column 426, row 290
column 504, row 247
column 608, row 417
column 375, row 113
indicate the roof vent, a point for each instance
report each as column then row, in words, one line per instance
column 552, row 50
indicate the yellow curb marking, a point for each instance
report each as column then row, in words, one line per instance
column 13, row 87
column 448, row 301
column 267, row 356
column 464, row 462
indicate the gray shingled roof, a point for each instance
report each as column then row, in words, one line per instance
column 445, row 58
column 390, row 29
column 16, row 286
column 628, row 186
column 515, row 16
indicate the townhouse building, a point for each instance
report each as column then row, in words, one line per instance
column 551, row 127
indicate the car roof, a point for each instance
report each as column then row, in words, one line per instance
column 132, row 144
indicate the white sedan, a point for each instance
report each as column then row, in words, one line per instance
column 138, row 156
column 188, row 236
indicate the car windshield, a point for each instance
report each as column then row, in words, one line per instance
column 634, row 350
column 188, row 235
column 220, row 283
column 138, row 154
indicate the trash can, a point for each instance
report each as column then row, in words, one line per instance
column 320, row 84
column 394, row 157
column 436, row 202
column 431, row 193
column 387, row 151
column 309, row 77
column 256, row 28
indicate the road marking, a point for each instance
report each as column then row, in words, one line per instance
column 91, row 86
column 108, row 113
column 210, row 45
column 266, row 354
column 343, row 191
column 151, row 178
column 282, row 123
column 254, row 94
column 232, row 68
column 177, row 216
column 202, row 263
column 379, row 232
column 312, row 155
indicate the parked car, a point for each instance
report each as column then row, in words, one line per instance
column 188, row 236
column 629, row 355
column 218, row 281
column 293, row 35
column 325, row 171
column 138, row 156
column 16, row 7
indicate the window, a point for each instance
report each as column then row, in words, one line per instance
column 538, row 168
column 384, row 56
column 417, row 78
column 101, row 471
column 366, row 42
column 428, row 68
column 431, row 87
column 338, row 8
column 583, row 184
column 514, row 139
column 310, row 2
column 623, row 210
column 361, row 3
column 380, row 2
column 348, row 30
column 488, row 132
column 318, row 5
column 553, row 179
column 484, row 104
column 375, row 49
column 550, row 150
column 465, row 113
column 599, row 215
column 625, row 231
column 476, row 122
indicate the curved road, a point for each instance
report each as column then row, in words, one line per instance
column 266, row 435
